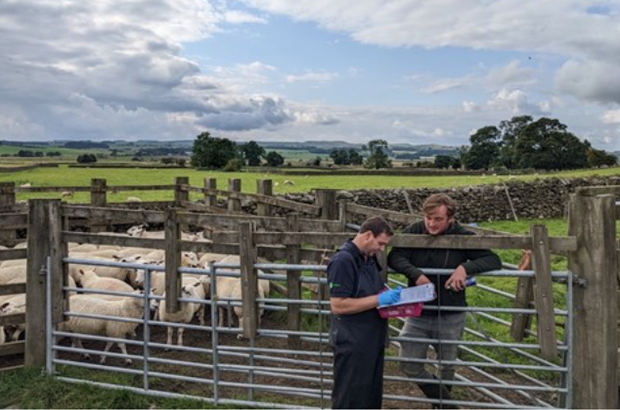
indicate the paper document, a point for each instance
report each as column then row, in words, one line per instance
column 422, row 293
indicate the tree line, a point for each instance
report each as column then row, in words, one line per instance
column 518, row 143
column 210, row 152
column 521, row 143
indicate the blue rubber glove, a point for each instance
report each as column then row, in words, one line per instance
column 389, row 297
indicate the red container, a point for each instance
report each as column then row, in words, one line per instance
column 408, row 310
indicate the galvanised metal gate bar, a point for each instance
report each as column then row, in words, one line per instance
column 266, row 373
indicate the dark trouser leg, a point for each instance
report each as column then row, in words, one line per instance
column 358, row 379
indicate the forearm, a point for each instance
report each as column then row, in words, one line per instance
column 350, row 306
column 398, row 259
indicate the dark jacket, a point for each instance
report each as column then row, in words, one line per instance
column 412, row 261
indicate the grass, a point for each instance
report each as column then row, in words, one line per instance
column 65, row 176
column 30, row 389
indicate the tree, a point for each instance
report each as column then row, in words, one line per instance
column 484, row 148
column 599, row 157
column 86, row 159
column 378, row 157
column 274, row 159
column 252, row 153
column 212, row 153
column 510, row 132
column 546, row 144
column 444, row 161
column 339, row 156
column 355, row 158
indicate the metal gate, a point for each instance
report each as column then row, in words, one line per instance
column 283, row 368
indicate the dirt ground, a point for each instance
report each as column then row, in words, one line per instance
column 202, row 339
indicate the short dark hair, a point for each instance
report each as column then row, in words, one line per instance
column 377, row 225
column 436, row 200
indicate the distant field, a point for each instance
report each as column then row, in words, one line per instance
column 65, row 176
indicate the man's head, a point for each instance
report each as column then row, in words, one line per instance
column 439, row 210
column 374, row 235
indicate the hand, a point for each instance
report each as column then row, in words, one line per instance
column 422, row 279
column 389, row 297
column 456, row 281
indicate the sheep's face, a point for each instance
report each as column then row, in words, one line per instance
column 190, row 259
column 137, row 230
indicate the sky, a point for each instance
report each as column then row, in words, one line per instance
column 407, row 71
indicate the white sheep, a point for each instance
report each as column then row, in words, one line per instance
column 13, row 274
column 133, row 200
column 191, row 289
column 90, row 280
column 2, row 334
column 26, row 185
column 14, row 305
column 66, row 194
column 12, row 263
column 288, row 182
column 230, row 288
column 128, row 307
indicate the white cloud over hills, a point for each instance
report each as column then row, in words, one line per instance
column 119, row 69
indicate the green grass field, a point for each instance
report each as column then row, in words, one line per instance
column 65, row 176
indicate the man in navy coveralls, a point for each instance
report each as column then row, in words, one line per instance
column 358, row 333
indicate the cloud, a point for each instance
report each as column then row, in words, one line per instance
column 510, row 74
column 590, row 81
column 611, row 117
column 447, row 84
column 514, row 102
column 311, row 76
column 237, row 114
column 69, row 64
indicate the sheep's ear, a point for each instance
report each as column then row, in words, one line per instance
column 138, row 257
column 116, row 257
column 81, row 271
column 197, row 284
column 4, row 305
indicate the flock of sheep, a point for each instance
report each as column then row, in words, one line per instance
column 130, row 282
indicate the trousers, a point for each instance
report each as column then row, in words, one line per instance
column 440, row 327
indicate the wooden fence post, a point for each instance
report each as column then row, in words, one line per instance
column 181, row 193
column 38, row 250
column 173, row 261
column 59, row 270
column 326, row 199
column 342, row 214
column 210, row 183
column 543, row 291
column 98, row 190
column 592, row 220
column 293, row 284
column 264, row 187
column 234, row 185
column 7, row 204
column 249, row 279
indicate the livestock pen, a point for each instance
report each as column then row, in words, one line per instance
column 287, row 355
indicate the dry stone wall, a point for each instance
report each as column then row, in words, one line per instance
column 542, row 198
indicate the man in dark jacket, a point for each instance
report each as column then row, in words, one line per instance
column 357, row 331
column 441, row 323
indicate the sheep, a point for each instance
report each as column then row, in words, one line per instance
column 191, row 289
column 136, row 230
column 13, row 274
column 2, row 334
column 26, row 185
column 288, row 182
column 66, row 194
column 230, row 288
column 12, row 263
column 90, row 280
column 13, row 305
column 133, row 200
column 115, row 272
column 128, row 307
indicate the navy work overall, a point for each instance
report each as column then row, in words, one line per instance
column 358, row 339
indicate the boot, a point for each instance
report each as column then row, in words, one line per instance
column 437, row 392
